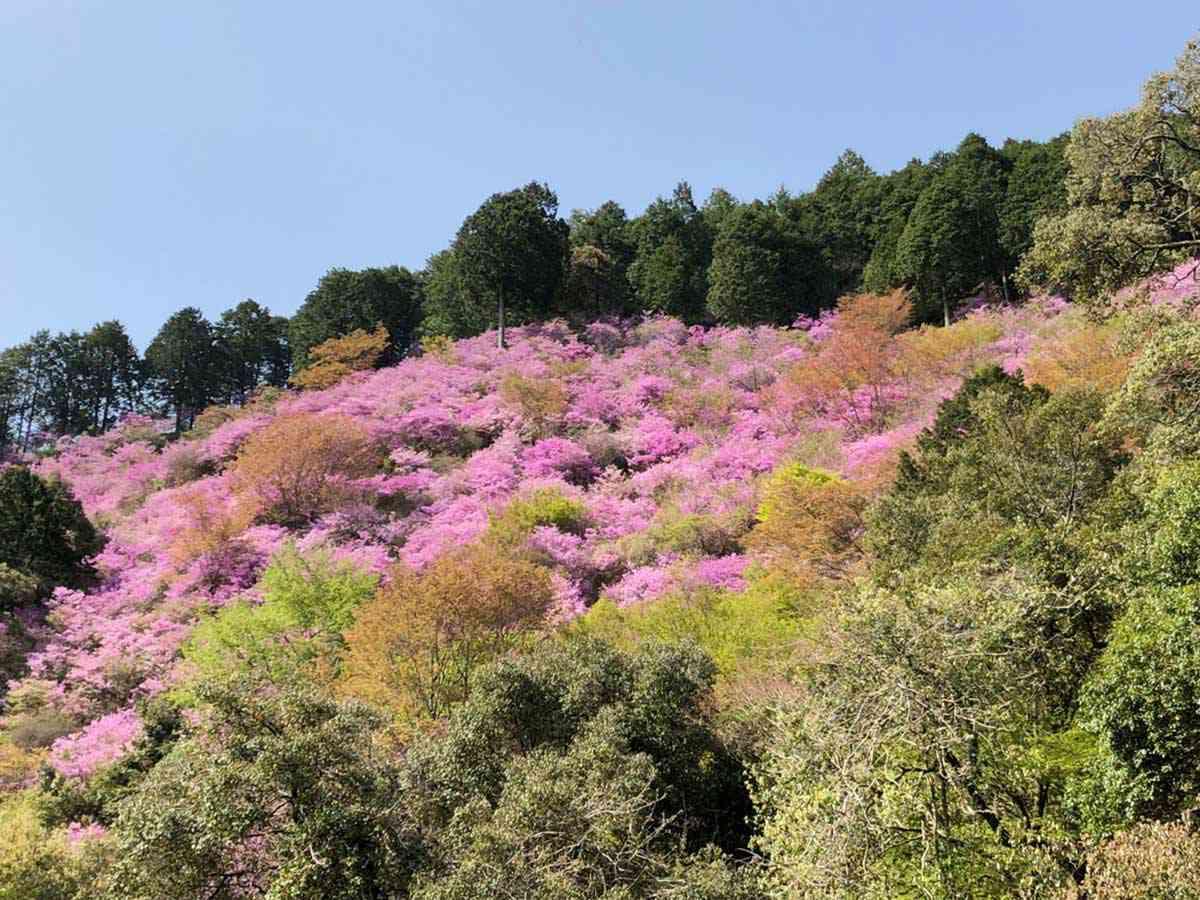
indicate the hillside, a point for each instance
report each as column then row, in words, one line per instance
column 535, row 592
column 648, row 429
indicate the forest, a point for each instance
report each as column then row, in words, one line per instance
column 947, row 228
column 844, row 545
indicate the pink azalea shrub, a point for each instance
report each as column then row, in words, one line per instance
column 103, row 741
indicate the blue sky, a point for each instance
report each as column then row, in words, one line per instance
column 157, row 155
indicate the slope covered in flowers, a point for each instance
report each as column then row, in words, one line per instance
column 659, row 434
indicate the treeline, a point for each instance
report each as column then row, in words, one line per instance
column 945, row 228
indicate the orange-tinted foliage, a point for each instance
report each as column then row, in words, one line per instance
column 541, row 401
column 336, row 358
column 809, row 523
column 1147, row 862
column 930, row 353
column 300, row 466
column 847, row 378
column 415, row 646
column 1085, row 357
column 210, row 524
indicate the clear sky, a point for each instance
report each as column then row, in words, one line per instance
column 159, row 154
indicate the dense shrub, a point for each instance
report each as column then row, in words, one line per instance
column 43, row 531
column 280, row 792
column 576, row 772
column 417, row 645
column 810, row 522
column 1143, row 702
column 300, row 466
column 308, row 599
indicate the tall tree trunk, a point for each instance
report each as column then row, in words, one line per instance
column 500, row 329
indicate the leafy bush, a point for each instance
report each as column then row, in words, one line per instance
column 577, row 771
column 417, row 645
column 298, row 466
column 43, row 531
column 308, row 600
column 750, row 631
column 280, row 792
column 37, row 864
column 542, row 507
column 16, row 588
column 1157, row 404
column 1143, row 701
column 913, row 764
column 1006, row 473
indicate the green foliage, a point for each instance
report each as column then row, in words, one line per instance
column 791, row 475
column 538, row 508
column 745, row 632
column 1158, row 403
column 602, row 250
column 1166, row 545
column 674, row 250
column 1133, row 192
column 842, row 218
column 43, row 531
column 254, row 348
column 345, row 300
column 308, row 601
column 1036, row 189
column 509, row 258
column 695, row 534
column 763, row 270
column 594, row 287
column 1143, row 701
column 899, row 194
column 16, row 588
column 575, row 771
column 919, row 762
column 950, row 245
column 281, row 792
column 37, row 864
column 183, row 363
column 94, row 800
column 1006, row 473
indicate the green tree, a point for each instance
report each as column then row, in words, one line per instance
column 950, row 246
column 345, row 300
column 448, row 307
column 606, row 228
column 763, row 271
column 930, row 753
column 899, row 192
column 576, row 771
column 279, row 793
column 1036, row 189
column 183, row 362
column 253, row 346
column 510, row 256
column 1133, row 192
column 840, row 216
column 43, row 531
column 594, row 287
column 674, row 250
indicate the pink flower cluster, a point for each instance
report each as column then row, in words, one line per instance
column 103, row 741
